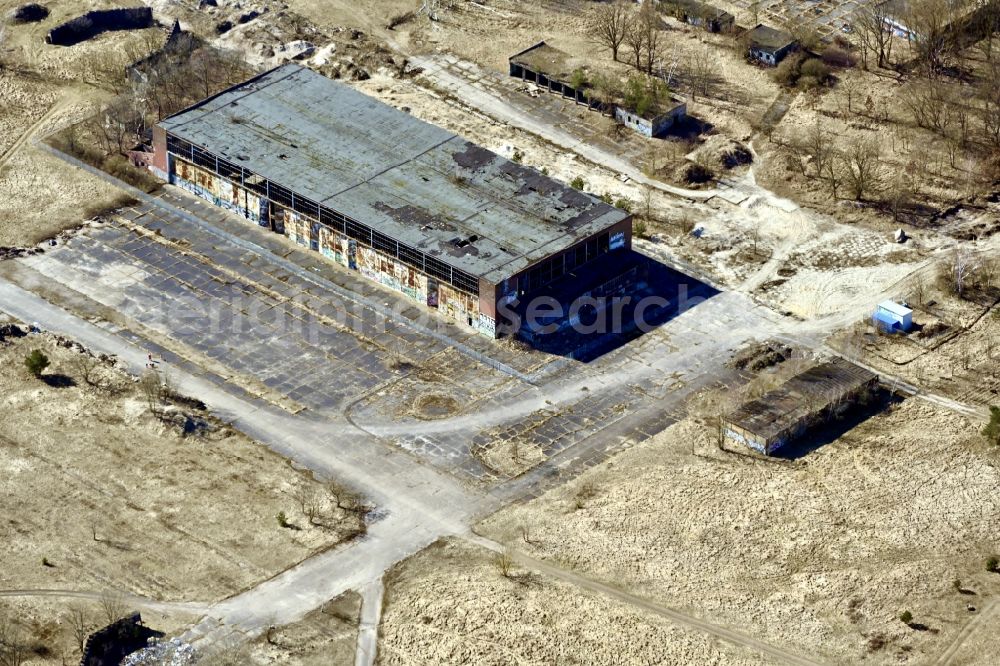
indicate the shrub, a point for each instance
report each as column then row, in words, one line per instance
column 607, row 198
column 787, row 71
column 282, row 519
column 906, row 617
column 698, row 173
column 119, row 167
column 577, row 183
column 518, row 156
column 639, row 228
column 36, row 362
column 815, row 69
column 992, row 429
column 834, row 56
column 992, row 564
column 624, row 204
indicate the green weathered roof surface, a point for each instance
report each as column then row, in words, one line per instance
column 769, row 39
column 411, row 180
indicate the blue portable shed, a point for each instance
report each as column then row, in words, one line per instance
column 892, row 317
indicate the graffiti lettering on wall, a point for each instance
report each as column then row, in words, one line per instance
column 486, row 325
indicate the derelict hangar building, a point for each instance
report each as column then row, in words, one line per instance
column 405, row 203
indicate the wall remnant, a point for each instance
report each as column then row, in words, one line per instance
column 117, row 640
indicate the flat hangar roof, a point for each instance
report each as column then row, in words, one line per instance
column 416, row 182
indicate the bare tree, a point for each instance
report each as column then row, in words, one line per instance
column 703, row 75
column 81, row 626
column 86, row 366
column 649, row 22
column 862, row 166
column 930, row 23
column 918, row 289
column 988, row 93
column 156, row 388
column 503, row 560
column 819, row 143
column 963, row 266
column 14, row 650
column 610, row 25
column 635, row 41
column 833, row 174
column 875, row 33
column 928, row 102
column 113, row 605
column 311, row 505
column 987, row 23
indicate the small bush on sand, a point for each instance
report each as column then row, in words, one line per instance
column 36, row 362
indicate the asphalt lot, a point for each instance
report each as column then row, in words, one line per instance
column 332, row 344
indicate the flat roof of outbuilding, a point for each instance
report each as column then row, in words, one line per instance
column 411, row 180
column 769, row 39
column 895, row 308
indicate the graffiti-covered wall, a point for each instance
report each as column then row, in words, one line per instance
column 219, row 191
column 391, row 273
column 308, row 233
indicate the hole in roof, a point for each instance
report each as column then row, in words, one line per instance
column 282, row 156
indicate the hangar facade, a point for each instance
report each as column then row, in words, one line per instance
column 405, row 203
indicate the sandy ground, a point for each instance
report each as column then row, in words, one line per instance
column 953, row 350
column 43, row 89
column 325, row 637
column 100, row 495
column 450, row 605
column 819, row 554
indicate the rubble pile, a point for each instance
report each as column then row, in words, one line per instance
column 166, row 653
column 18, row 252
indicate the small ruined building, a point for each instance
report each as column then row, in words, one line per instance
column 810, row 398
column 406, row 204
column 700, row 14
column 108, row 646
column 892, row 317
column 769, row 46
column 562, row 74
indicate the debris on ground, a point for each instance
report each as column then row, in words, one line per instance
column 760, row 355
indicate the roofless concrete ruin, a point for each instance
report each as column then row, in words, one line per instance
column 405, row 203
column 806, row 400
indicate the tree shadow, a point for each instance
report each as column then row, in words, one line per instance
column 920, row 626
column 527, row 579
column 58, row 381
